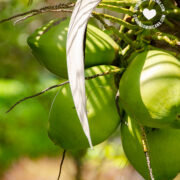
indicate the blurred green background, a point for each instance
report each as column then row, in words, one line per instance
column 23, row 130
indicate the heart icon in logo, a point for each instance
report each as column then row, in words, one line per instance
column 149, row 14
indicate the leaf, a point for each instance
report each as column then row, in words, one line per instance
column 75, row 58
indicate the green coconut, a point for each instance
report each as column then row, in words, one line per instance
column 48, row 45
column 150, row 89
column 64, row 126
column 163, row 148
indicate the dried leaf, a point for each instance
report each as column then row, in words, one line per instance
column 75, row 58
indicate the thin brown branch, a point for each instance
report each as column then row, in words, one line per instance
column 38, row 11
column 34, row 14
column 61, row 164
column 35, row 95
column 18, row 15
column 118, row 70
column 25, row 17
column 60, row 10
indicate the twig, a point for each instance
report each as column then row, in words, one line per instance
column 26, row 17
column 60, row 10
column 18, row 15
column 38, row 11
column 118, row 70
column 61, row 164
column 42, row 92
column 146, row 151
column 34, row 14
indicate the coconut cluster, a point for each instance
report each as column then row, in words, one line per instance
column 149, row 94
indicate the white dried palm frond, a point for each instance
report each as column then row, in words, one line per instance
column 75, row 58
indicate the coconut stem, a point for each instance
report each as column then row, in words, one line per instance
column 116, row 9
column 146, row 151
column 120, row 2
column 116, row 20
column 120, row 35
column 168, row 38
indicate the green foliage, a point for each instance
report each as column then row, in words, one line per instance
column 23, row 131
